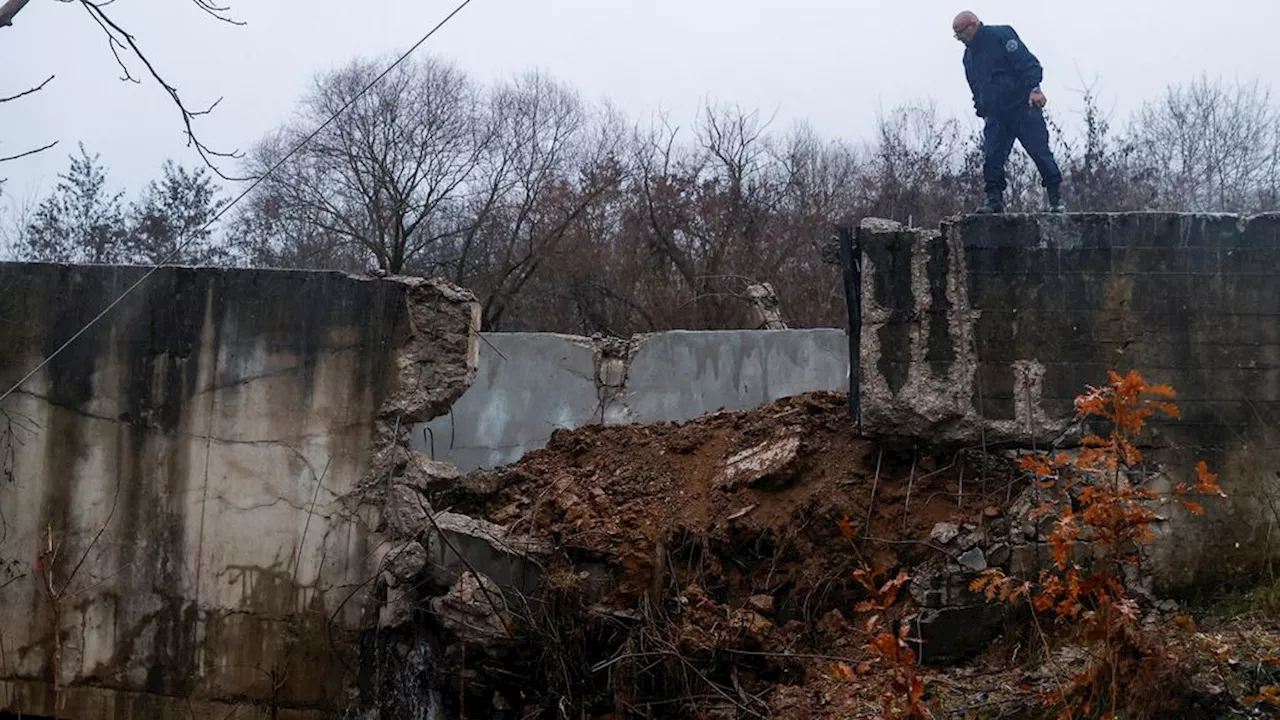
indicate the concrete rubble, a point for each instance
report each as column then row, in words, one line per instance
column 459, row 544
column 474, row 610
column 610, row 530
column 769, row 462
column 611, row 535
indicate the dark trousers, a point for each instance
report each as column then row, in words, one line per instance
column 1027, row 126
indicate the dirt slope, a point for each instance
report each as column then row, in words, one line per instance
column 711, row 562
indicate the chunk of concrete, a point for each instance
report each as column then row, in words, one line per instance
column 474, row 610
column 941, row 583
column 944, row 532
column 762, row 604
column 406, row 512
column 771, row 462
column 970, row 540
column 404, row 562
column 999, row 554
column 428, row 475
column 464, row 543
column 398, row 608
column 880, row 225
column 974, row 560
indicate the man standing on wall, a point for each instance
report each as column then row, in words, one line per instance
column 1004, row 78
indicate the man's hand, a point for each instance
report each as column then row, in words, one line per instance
column 1037, row 99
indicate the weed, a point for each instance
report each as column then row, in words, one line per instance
column 1097, row 504
column 903, row 696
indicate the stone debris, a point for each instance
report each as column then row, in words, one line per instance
column 722, row 533
column 999, row 555
column 405, row 512
column 762, row 604
column 768, row 309
column 464, row 543
column 428, row 475
column 952, row 634
column 944, row 532
column 771, row 462
column 404, row 562
column 474, row 611
column 880, row 225
column 974, row 560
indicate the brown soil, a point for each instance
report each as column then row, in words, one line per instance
column 668, row 556
column 640, row 497
column 676, row 590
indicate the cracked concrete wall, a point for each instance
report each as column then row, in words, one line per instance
column 530, row 384
column 985, row 331
column 181, row 475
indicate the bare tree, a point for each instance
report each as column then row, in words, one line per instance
column 389, row 175
column 270, row 231
column 917, row 166
column 562, row 217
column 1101, row 165
column 1212, row 146
column 821, row 191
column 541, row 174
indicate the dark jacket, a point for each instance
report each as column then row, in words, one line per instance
column 1001, row 71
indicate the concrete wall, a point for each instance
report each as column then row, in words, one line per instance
column 175, row 537
column 987, row 330
column 529, row 384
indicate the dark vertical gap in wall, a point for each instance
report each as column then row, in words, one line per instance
column 850, row 263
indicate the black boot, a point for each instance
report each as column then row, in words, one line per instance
column 1055, row 199
column 993, row 206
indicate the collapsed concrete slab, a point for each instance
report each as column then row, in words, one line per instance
column 460, row 544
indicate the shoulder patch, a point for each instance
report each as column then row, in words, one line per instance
column 1011, row 46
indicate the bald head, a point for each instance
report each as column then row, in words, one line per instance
column 965, row 25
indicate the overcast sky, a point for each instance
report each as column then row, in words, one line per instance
column 835, row 63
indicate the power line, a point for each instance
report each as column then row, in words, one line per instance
column 404, row 56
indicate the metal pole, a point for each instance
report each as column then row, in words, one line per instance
column 850, row 262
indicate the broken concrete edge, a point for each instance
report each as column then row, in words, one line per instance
column 942, row 407
column 486, row 569
column 430, row 372
column 438, row 315
column 434, row 362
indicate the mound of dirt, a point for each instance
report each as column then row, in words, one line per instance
column 742, row 503
column 696, row 558
column 706, row 570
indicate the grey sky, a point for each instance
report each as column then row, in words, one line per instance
column 833, row 63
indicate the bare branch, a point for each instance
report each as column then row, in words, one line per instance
column 27, row 92
column 9, row 10
column 217, row 11
column 29, row 152
column 22, row 94
column 119, row 39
